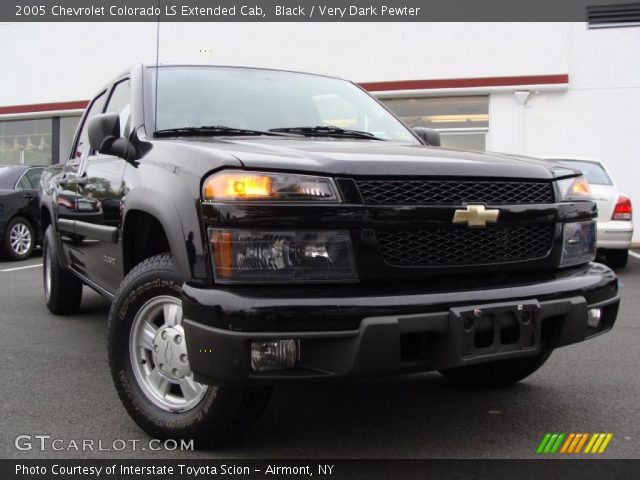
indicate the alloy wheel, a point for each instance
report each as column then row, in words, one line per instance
column 158, row 353
column 20, row 239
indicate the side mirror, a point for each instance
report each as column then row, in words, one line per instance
column 104, row 136
column 428, row 135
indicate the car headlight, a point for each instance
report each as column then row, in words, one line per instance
column 578, row 243
column 574, row 188
column 238, row 185
column 296, row 256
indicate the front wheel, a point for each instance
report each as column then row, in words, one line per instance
column 150, row 364
column 496, row 374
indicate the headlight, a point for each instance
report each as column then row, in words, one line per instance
column 282, row 256
column 238, row 185
column 574, row 188
column 578, row 243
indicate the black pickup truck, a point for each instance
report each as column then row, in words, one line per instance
column 254, row 227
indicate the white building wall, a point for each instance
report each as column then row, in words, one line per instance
column 596, row 117
column 76, row 59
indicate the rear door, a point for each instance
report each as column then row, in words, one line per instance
column 98, row 199
column 28, row 188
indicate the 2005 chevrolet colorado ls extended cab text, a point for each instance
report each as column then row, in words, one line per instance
column 254, row 227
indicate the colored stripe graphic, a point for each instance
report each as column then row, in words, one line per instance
column 581, row 443
column 555, row 447
column 607, row 439
column 550, row 443
column 576, row 439
column 565, row 447
column 598, row 443
column 572, row 443
column 543, row 443
column 594, row 437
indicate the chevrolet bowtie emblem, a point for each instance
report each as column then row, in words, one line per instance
column 476, row 216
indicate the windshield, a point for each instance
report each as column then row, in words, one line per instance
column 592, row 171
column 262, row 100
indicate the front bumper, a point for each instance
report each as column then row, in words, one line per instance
column 356, row 331
column 615, row 234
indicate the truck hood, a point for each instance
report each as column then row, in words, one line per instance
column 347, row 157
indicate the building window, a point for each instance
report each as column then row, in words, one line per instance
column 463, row 121
column 68, row 126
column 465, row 140
column 26, row 142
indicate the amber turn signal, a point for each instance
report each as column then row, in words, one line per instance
column 221, row 243
column 574, row 188
column 580, row 187
column 239, row 185
column 236, row 186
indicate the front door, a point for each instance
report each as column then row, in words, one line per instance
column 66, row 186
column 98, row 199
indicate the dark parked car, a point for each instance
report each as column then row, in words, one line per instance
column 255, row 227
column 19, row 210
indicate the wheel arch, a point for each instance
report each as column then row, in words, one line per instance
column 46, row 218
column 151, row 227
column 32, row 221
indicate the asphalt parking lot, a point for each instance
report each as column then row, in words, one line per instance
column 56, row 381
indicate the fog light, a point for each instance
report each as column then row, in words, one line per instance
column 273, row 355
column 593, row 317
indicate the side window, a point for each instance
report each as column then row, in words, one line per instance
column 34, row 175
column 120, row 103
column 82, row 144
column 24, row 183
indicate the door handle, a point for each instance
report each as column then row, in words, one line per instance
column 29, row 195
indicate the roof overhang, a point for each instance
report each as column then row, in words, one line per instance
column 467, row 86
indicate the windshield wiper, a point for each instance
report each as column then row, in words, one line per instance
column 212, row 130
column 327, row 130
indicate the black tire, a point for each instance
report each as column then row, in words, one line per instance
column 220, row 414
column 496, row 374
column 63, row 294
column 19, row 250
column 617, row 258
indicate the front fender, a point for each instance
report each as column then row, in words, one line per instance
column 166, row 184
column 180, row 224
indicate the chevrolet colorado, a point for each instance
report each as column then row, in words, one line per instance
column 254, row 227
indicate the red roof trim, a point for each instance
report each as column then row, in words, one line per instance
column 465, row 82
column 44, row 107
column 370, row 86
